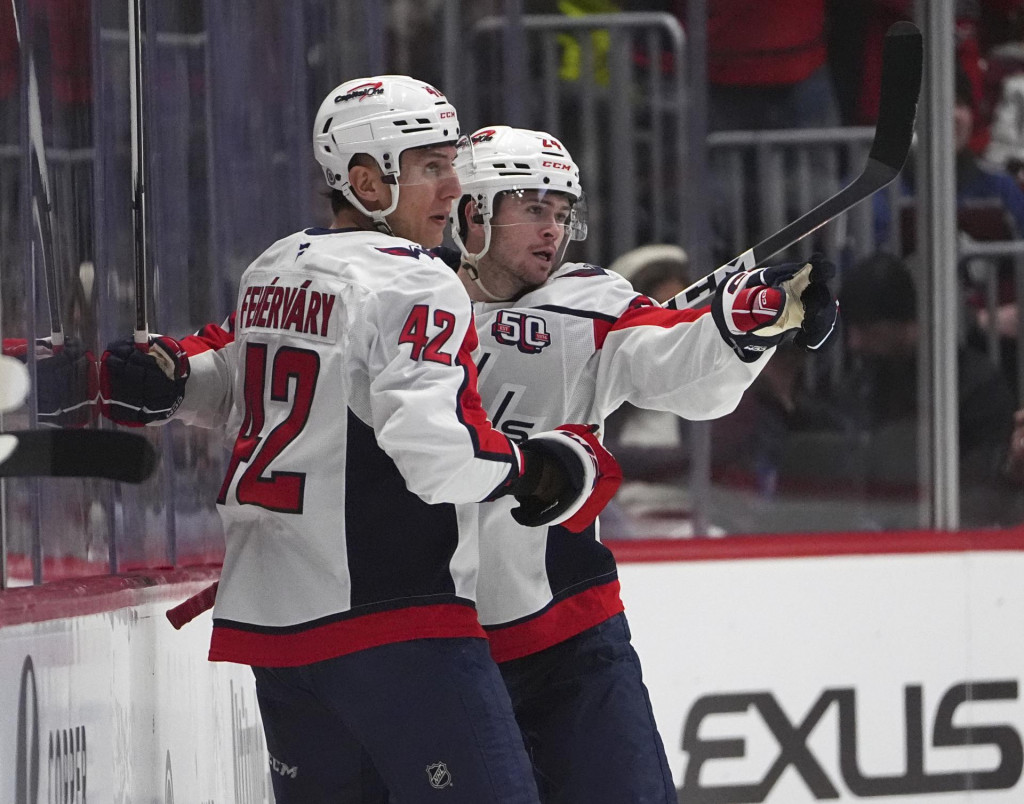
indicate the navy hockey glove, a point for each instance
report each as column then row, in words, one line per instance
column 66, row 381
column 568, row 479
column 66, row 385
column 754, row 309
column 821, row 308
column 140, row 387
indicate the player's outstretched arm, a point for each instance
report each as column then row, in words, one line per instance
column 188, row 379
column 568, row 478
column 755, row 309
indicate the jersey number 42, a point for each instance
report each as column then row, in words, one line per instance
column 278, row 491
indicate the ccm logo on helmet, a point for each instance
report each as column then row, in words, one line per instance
column 444, row 115
column 556, row 165
column 362, row 91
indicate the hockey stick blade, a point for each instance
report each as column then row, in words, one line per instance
column 902, row 62
column 119, row 456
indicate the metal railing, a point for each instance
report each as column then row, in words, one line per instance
column 612, row 88
column 762, row 180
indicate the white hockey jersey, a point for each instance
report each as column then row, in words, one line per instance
column 574, row 350
column 351, row 390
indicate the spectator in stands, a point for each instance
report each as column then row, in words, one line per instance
column 658, row 270
column 767, row 69
column 976, row 179
column 990, row 207
column 857, row 32
column 767, row 66
column 881, row 392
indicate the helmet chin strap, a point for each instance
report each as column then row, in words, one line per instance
column 377, row 216
column 469, row 263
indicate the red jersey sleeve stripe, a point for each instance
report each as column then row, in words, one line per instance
column 212, row 336
column 643, row 315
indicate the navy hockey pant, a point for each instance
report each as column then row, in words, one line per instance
column 427, row 720
column 587, row 720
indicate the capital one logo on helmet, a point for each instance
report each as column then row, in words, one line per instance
column 483, row 136
column 362, row 91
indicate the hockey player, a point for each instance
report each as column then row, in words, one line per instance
column 573, row 342
column 577, row 338
column 349, row 576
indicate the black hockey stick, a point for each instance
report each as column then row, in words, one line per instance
column 108, row 454
column 136, row 89
column 42, row 207
column 902, row 58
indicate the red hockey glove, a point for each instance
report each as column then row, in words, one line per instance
column 142, row 387
column 754, row 309
column 569, row 478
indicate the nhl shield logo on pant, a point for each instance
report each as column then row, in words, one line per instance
column 439, row 776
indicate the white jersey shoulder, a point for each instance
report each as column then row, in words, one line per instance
column 366, row 258
column 582, row 286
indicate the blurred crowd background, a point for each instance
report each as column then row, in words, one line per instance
column 701, row 128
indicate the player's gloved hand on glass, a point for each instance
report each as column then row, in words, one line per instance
column 754, row 309
column 568, row 478
column 66, row 380
column 139, row 387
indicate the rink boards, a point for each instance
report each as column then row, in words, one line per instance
column 781, row 669
column 835, row 668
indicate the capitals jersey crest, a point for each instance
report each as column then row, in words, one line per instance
column 406, row 251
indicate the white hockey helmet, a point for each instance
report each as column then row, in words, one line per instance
column 381, row 116
column 503, row 159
